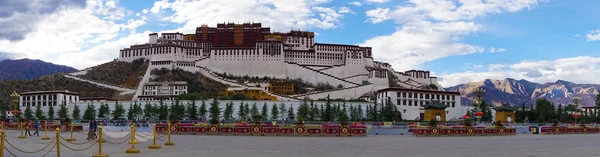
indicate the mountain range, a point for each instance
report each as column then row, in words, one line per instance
column 28, row 69
column 519, row 92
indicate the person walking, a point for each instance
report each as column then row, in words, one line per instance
column 37, row 127
column 27, row 129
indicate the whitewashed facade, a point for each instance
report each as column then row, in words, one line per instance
column 47, row 98
column 296, row 55
column 410, row 102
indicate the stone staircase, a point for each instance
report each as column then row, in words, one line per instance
column 124, row 90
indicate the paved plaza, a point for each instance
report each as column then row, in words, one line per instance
column 372, row 146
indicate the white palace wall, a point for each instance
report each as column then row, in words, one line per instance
column 247, row 64
column 296, row 71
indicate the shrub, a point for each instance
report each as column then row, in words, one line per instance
column 468, row 122
column 433, row 123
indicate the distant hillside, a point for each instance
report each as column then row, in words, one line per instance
column 52, row 82
column 119, row 73
column 27, row 69
column 517, row 92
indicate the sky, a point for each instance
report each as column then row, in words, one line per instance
column 459, row 41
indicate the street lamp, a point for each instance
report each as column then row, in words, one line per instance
column 576, row 115
column 15, row 103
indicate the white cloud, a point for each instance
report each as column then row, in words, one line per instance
column 377, row 1
column 378, row 15
column 493, row 49
column 432, row 29
column 277, row 14
column 356, row 3
column 345, row 10
column 89, row 36
column 583, row 69
column 593, row 35
column 74, row 31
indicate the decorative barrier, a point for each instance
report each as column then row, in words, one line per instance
column 51, row 127
column 463, row 131
column 264, row 129
column 569, row 130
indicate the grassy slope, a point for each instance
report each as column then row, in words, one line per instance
column 52, row 82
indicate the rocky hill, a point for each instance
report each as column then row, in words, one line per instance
column 52, row 82
column 517, row 92
column 118, row 73
column 27, row 69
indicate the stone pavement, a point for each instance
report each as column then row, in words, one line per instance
column 371, row 146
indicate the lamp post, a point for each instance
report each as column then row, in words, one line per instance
column 15, row 99
column 576, row 115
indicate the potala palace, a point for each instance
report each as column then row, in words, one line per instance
column 249, row 49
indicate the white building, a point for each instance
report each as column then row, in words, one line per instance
column 163, row 90
column 46, row 98
column 410, row 102
column 252, row 50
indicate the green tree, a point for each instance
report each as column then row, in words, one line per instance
column 242, row 113
column 130, row 111
column 328, row 113
column 312, row 111
column 50, row 112
column 559, row 112
column 274, row 112
column 203, row 110
column 103, row 111
column 177, row 111
column 192, row 111
column 344, row 114
column 63, row 111
column 264, row 112
column 228, row 112
column 282, row 111
column 28, row 113
column 148, row 111
column 291, row 115
column 303, row 111
column 215, row 111
column 138, row 112
column 359, row 113
column 163, row 111
column 544, row 109
column 39, row 114
column 352, row 113
column 76, row 115
column 118, row 112
column 254, row 111
column 89, row 113
column 247, row 110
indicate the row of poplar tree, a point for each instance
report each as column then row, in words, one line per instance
column 177, row 111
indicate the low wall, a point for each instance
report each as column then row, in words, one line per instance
column 264, row 130
column 463, row 131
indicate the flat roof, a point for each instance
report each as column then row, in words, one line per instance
column 169, row 83
column 416, row 90
column 49, row 92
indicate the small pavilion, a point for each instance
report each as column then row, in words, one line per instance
column 503, row 112
column 433, row 109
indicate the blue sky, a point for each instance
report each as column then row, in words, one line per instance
column 458, row 40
